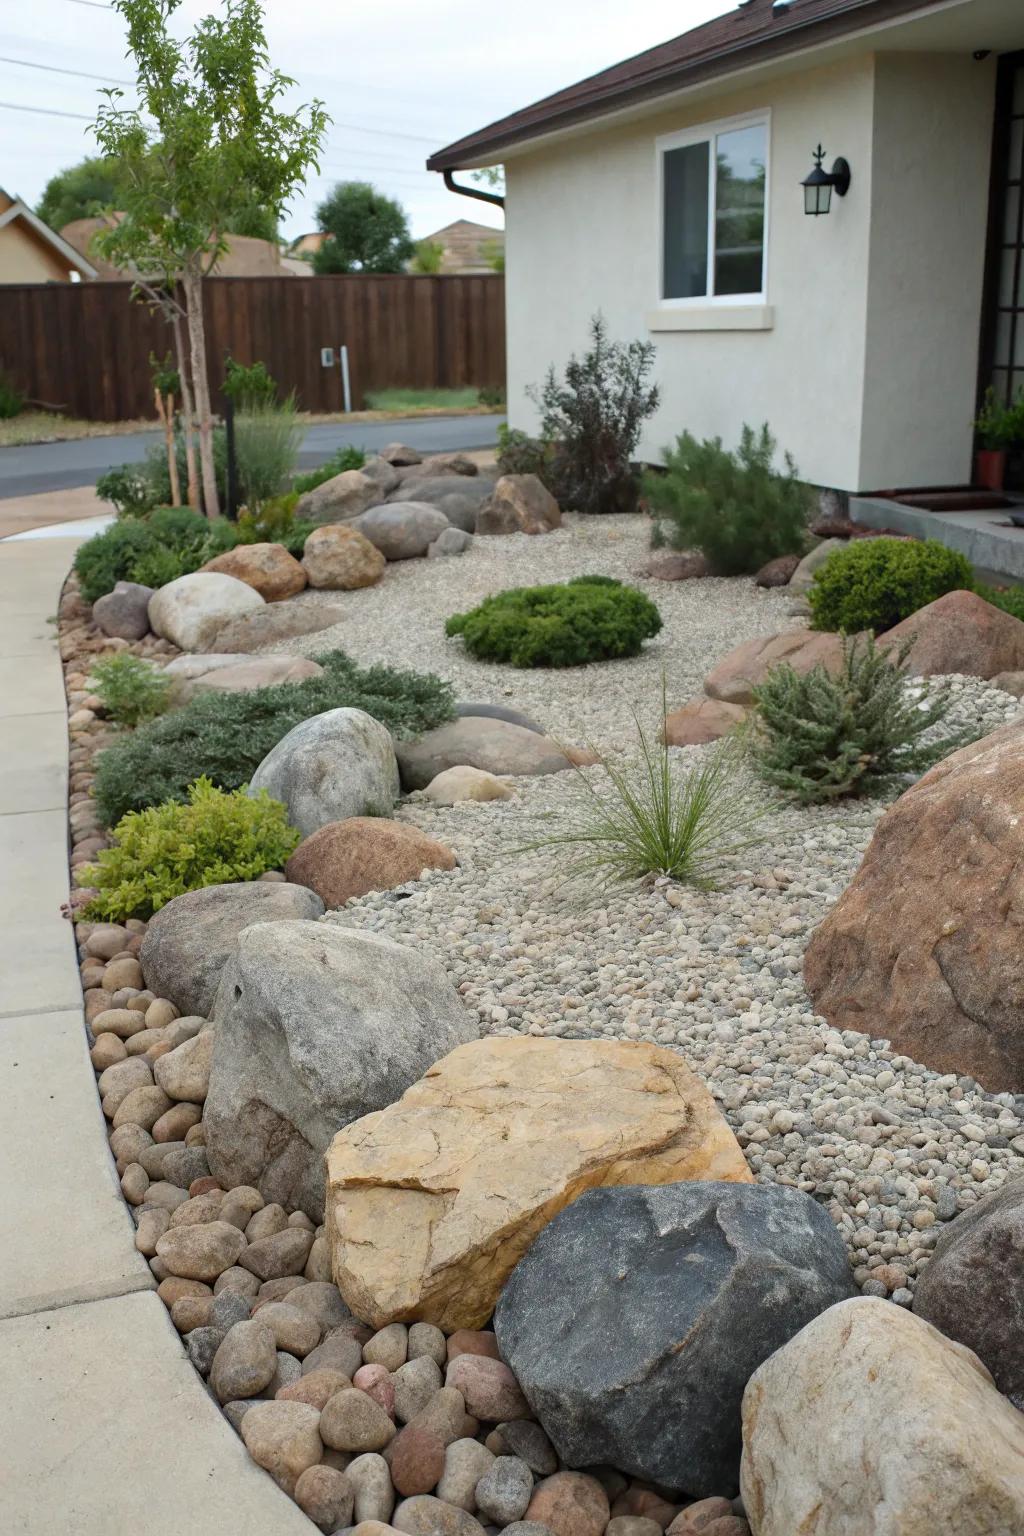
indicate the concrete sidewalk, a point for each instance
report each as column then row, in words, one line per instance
column 105, row 1429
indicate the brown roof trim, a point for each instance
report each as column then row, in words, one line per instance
column 743, row 36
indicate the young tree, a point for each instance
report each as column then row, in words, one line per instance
column 207, row 138
column 367, row 231
column 79, row 191
column 428, row 257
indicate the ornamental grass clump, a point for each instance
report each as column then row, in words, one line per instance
column 736, row 508
column 646, row 821
column 131, row 690
column 591, row 618
column 821, row 737
column 213, row 839
column 873, row 584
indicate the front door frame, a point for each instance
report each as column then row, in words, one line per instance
column 1002, row 131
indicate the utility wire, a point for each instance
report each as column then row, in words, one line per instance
column 53, row 69
column 16, row 106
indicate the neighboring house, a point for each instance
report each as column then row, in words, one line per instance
column 467, row 247
column 666, row 192
column 306, row 246
column 244, row 257
column 30, row 251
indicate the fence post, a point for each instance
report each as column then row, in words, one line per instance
column 231, row 463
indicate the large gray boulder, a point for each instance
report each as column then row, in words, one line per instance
column 339, row 499
column 973, row 1288
column 188, row 941
column 329, row 767
column 475, row 741
column 124, row 612
column 317, row 1026
column 383, row 474
column 191, row 611
column 638, row 1316
column 459, row 497
column 404, row 531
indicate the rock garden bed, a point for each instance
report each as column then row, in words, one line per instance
column 463, row 1185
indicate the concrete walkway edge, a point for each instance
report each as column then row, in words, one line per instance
column 106, row 1429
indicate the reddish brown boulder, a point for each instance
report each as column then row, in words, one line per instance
column 268, row 568
column 777, row 572
column 363, row 853
column 742, row 670
column 700, row 721
column 960, row 632
column 570, row 1504
column 685, row 567
column 520, row 504
column 924, row 947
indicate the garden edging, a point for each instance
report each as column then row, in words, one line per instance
column 90, row 1353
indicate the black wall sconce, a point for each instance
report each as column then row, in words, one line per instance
column 819, row 184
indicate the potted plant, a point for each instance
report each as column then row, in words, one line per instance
column 996, row 427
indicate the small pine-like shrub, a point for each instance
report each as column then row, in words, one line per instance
column 225, row 737
column 588, row 619
column 736, row 508
column 340, row 460
column 169, row 849
column 131, row 690
column 874, row 583
column 819, row 737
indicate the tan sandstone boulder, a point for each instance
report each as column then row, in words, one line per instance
column 337, row 500
column 960, row 632
column 364, row 853
column 520, row 504
column 737, row 675
column 268, row 568
column 870, row 1423
column 338, row 558
column 925, row 945
column 432, row 1202
column 700, row 721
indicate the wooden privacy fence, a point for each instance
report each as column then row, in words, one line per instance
column 86, row 346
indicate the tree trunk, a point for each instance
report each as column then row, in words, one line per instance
column 187, row 414
column 165, row 411
column 193, row 285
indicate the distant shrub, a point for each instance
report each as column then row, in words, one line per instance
column 873, row 584
column 225, row 737
column 340, row 460
column 587, row 619
column 820, row 737
column 131, row 690
column 275, row 523
column 491, row 395
column 249, row 386
column 594, row 415
column 162, row 852
column 736, row 508
column 12, row 401
column 520, row 454
column 136, row 489
column 1009, row 599
column 129, row 487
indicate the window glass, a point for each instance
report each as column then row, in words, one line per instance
column 686, row 191
column 739, row 213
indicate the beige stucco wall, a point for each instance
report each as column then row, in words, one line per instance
column 583, row 234
column 25, row 259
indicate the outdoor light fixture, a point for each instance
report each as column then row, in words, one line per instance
column 818, row 185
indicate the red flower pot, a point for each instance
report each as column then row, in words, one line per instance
column 990, row 468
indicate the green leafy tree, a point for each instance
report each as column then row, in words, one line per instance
column 80, row 191
column 368, row 232
column 493, row 252
column 207, row 137
column 428, row 257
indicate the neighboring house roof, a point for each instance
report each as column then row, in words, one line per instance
column 754, row 31
column 245, row 256
column 12, row 210
column 307, row 244
column 465, row 245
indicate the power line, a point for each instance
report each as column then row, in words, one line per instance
column 53, row 69
column 94, row 5
column 16, row 106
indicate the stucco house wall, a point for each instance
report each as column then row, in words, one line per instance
column 26, row 259
column 831, row 368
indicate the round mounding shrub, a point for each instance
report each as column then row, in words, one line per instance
column 591, row 618
column 873, row 584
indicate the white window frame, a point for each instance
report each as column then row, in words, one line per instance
column 707, row 133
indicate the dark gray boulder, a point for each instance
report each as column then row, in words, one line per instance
column 459, row 497
column 188, row 942
column 316, row 1026
column 499, row 712
column 403, row 531
column 497, row 746
column 973, row 1287
column 638, row 1316
column 124, row 612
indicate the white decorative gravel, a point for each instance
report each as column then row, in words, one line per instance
column 891, row 1148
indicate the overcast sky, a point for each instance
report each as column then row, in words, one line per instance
column 400, row 78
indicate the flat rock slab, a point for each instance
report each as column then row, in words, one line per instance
column 273, row 622
column 870, row 1423
column 924, row 946
column 496, row 746
column 432, row 1202
column 253, row 672
column 736, row 676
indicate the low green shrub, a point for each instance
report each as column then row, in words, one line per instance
column 520, row 454
column 340, row 460
column 1009, row 599
column 12, row 401
column 225, row 737
column 819, row 737
column 587, row 619
column 136, row 489
column 248, row 386
column 275, row 523
column 491, row 395
column 874, row 583
column 129, row 487
column 130, row 689
column 212, row 839
column 736, row 508
column 167, row 543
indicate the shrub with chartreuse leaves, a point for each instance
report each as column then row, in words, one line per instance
column 212, row 839
column 873, row 584
column 131, row 690
column 341, row 459
column 225, row 736
column 591, row 618
column 819, row 736
column 736, row 508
